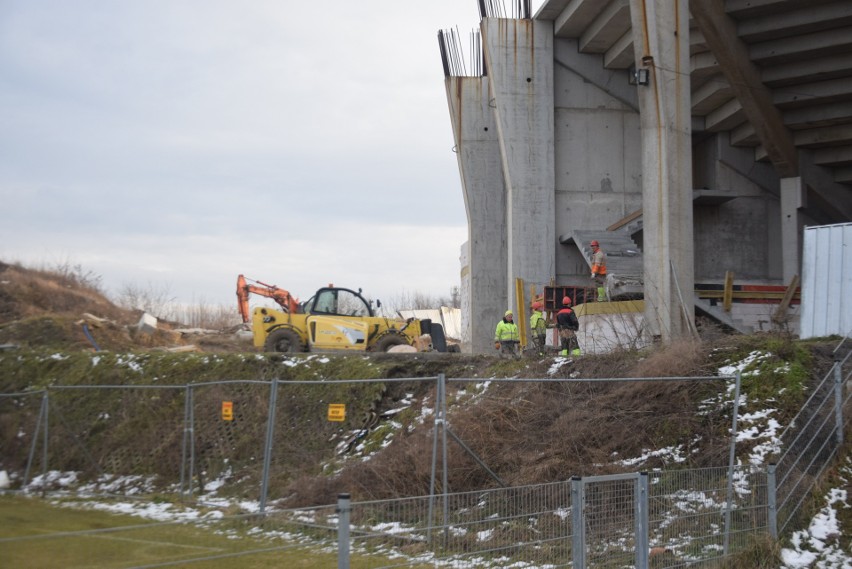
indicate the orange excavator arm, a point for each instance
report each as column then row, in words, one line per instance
column 284, row 299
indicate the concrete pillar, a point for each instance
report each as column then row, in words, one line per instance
column 661, row 47
column 519, row 63
column 792, row 199
column 484, row 265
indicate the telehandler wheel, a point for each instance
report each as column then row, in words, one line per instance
column 388, row 341
column 285, row 341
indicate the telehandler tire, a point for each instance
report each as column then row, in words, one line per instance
column 388, row 341
column 285, row 341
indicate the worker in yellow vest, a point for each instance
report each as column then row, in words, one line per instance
column 506, row 336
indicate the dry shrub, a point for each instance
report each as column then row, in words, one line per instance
column 680, row 358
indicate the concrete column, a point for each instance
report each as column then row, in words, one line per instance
column 661, row 47
column 792, row 199
column 484, row 265
column 519, row 62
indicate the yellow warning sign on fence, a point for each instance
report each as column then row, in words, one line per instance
column 336, row 412
column 227, row 410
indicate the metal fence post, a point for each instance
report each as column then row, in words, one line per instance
column 191, row 394
column 184, row 444
column 731, row 461
column 41, row 416
column 44, row 450
column 642, row 517
column 838, row 401
column 343, row 508
column 772, row 499
column 437, row 423
column 578, row 545
column 267, row 447
column 442, row 379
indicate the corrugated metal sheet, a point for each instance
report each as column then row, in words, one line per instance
column 827, row 281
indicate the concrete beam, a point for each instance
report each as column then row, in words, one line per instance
column 478, row 154
column 843, row 175
column 572, row 19
column 742, row 9
column 812, row 94
column 744, row 78
column 823, row 115
column 620, row 55
column 827, row 136
column 838, row 155
column 829, row 67
column 711, row 95
column 725, row 117
column 806, row 19
column 703, row 66
column 612, row 23
column 799, row 48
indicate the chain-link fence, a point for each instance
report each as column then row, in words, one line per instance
column 186, row 438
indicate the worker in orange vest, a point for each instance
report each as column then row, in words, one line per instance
column 599, row 269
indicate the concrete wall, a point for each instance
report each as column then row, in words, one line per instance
column 595, row 109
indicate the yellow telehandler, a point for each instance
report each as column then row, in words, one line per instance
column 333, row 319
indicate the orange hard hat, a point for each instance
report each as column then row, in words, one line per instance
column 595, row 243
column 566, row 301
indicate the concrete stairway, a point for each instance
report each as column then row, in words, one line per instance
column 718, row 313
column 623, row 260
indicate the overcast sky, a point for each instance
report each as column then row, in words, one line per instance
column 180, row 143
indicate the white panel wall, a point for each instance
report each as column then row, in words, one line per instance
column 827, row 281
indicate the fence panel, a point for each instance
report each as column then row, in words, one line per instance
column 227, row 447
column 20, row 434
column 132, row 437
column 609, row 515
column 811, row 441
column 527, row 526
column 687, row 513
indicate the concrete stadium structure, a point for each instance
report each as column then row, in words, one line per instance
column 692, row 139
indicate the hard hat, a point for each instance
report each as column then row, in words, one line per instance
column 536, row 305
column 566, row 301
column 595, row 243
column 508, row 313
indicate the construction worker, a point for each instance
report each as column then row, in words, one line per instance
column 538, row 328
column 567, row 323
column 599, row 269
column 506, row 336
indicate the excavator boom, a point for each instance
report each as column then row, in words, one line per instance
column 285, row 300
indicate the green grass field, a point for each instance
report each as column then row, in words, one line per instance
column 35, row 534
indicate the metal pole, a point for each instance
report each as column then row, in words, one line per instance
column 838, row 402
column 44, row 450
column 578, row 546
column 191, row 439
column 642, row 550
column 267, row 450
column 343, row 509
column 434, row 460
column 184, row 445
column 31, row 456
column 442, row 380
column 731, row 459
column 772, row 498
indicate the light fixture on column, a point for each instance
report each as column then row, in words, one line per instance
column 639, row 76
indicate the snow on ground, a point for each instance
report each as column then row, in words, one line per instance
column 818, row 546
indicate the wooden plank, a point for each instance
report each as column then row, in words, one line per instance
column 781, row 312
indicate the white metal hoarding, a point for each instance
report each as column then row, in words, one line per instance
column 826, row 281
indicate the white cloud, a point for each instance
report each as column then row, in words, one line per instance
column 198, row 139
